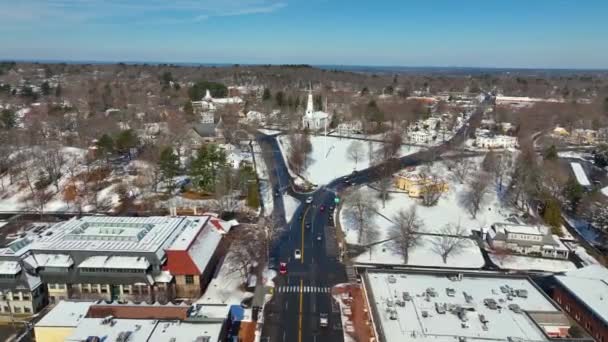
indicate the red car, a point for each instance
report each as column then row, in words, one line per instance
column 283, row 268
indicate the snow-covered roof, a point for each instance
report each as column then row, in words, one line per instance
column 140, row 329
column 163, row 277
column 605, row 191
column 188, row 234
column 115, row 262
column 420, row 315
column 65, row 314
column 580, row 174
column 113, row 234
column 49, row 260
column 9, row 267
column 589, row 285
column 517, row 229
column 166, row 331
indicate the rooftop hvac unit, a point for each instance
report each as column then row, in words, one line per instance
column 107, row 319
column 123, row 336
column 203, row 339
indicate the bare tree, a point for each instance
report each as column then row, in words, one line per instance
column 226, row 199
column 392, row 144
column 452, row 240
column 405, row 229
column 363, row 211
column 477, row 189
column 355, row 151
column 52, row 162
column 461, row 168
column 432, row 188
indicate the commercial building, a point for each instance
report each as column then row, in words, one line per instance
column 526, row 240
column 583, row 294
column 442, row 306
column 142, row 259
column 102, row 321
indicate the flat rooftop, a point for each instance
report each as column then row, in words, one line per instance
column 115, row 234
column 435, row 307
column 590, row 285
column 65, row 314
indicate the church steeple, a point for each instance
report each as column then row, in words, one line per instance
column 310, row 104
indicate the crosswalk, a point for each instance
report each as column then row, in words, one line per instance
column 305, row 289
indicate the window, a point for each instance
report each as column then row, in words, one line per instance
column 144, row 290
column 577, row 316
column 52, row 286
column 26, row 296
column 189, row 279
column 104, row 289
column 61, row 286
column 567, row 307
column 126, row 289
column 17, row 309
column 94, row 289
column 7, row 309
column 85, row 288
column 27, row 310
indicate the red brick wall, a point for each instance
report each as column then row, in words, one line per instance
column 586, row 319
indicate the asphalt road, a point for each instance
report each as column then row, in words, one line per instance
column 303, row 293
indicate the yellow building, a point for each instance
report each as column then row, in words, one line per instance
column 415, row 183
column 60, row 322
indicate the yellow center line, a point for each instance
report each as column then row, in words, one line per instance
column 300, row 319
column 302, row 248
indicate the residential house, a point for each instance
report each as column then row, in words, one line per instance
column 416, row 183
column 486, row 139
column 584, row 136
column 583, row 294
column 526, row 240
column 348, row 128
column 21, row 291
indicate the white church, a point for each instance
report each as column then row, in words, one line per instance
column 315, row 120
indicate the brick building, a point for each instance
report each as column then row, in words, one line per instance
column 583, row 294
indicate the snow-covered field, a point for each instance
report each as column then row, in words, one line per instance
column 329, row 157
column 524, row 263
column 448, row 210
column 423, row 255
column 290, row 204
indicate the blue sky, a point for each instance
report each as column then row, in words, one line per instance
column 489, row 33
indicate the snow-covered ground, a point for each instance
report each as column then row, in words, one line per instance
column 575, row 155
column 290, row 204
column 524, row 263
column 226, row 288
column 581, row 252
column 329, row 157
column 265, row 187
column 423, row 255
column 448, row 210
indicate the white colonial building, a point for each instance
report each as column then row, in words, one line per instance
column 315, row 120
column 349, row 128
column 527, row 240
column 485, row 139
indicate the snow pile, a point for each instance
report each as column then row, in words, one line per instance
column 291, row 205
column 329, row 157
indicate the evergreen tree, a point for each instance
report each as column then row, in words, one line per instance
column 600, row 155
column 266, row 96
column 169, row 167
column 188, row 109
column 374, row 113
column 126, row 140
column 573, row 192
column 209, row 162
column 8, row 119
column 553, row 215
column 45, row 88
column 279, row 98
column 253, row 196
column 105, row 144
column 550, row 153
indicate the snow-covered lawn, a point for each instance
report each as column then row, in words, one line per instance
column 423, row 255
column 524, row 263
column 226, row 288
column 290, row 204
column 329, row 157
column 448, row 210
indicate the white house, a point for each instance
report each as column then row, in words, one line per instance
column 208, row 103
column 315, row 120
column 254, row 116
column 485, row 139
column 527, row 240
column 420, row 137
column 349, row 127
